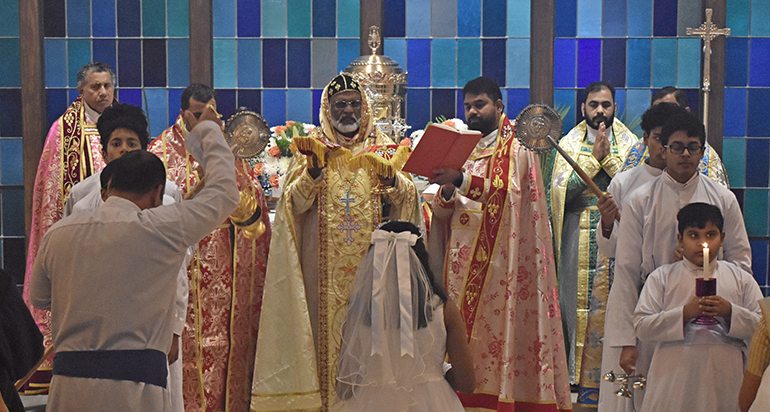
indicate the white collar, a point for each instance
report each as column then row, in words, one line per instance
column 92, row 115
column 488, row 140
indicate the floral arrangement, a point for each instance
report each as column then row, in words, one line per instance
column 271, row 165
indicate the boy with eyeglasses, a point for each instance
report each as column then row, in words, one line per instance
column 648, row 228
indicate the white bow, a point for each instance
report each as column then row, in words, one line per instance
column 385, row 243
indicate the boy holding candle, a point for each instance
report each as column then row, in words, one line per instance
column 695, row 366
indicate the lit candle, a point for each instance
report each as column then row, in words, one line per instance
column 706, row 262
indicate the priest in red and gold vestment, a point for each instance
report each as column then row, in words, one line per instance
column 72, row 152
column 490, row 226
column 226, row 275
column 330, row 206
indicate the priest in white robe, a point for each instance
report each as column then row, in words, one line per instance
column 647, row 232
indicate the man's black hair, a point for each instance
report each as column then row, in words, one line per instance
column 483, row 85
column 93, row 67
column 104, row 177
column 699, row 215
column 199, row 92
column 686, row 122
column 597, row 87
column 137, row 172
column 658, row 115
column 123, row 116
column 679, row 95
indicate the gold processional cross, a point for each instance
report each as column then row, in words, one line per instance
column 707, row 31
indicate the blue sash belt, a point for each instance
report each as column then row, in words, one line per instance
column 146, row 365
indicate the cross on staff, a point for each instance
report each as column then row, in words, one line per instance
column 707, row 31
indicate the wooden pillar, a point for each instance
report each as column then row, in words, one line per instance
column 372, row 14
column 201, row 42
column 716, row 108
column 541, row 51
column 33, row 97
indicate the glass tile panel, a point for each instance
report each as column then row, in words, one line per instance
column 13, row 212
column 249, row 18
column 565, row 98
column 348, row 12
column 129, row 18
column 444, row 63
column 443, row 103
column 443, row 18
column 460, row 104
column 738, row 12
column 589, row 61
column 174, row 105
column 396, row 50
column 614, row 22
column 469, row 18
column 759, row 74
column 317, row 105
column 300, row 105
column 518, row 63
column 55, row 62
column 760, row 23
column 620, row 108
column 494, row 18
column 299, row 19
column 755, row 211
column 564, row 63
column 178, row 62
column 103, row 18
column 418, row 62
column 323, row 26
column 395, row 19
column 14, row 257
column 223, row 16
column 224, row 63
column 347, row 51
column 641, row 23
column 299, row 69
column 250, row 99
column 589, row 22
column 226, row 102
column 664, row 62
column 759, row 260
column 156, row 109
column 154, row 56
column 735, row 113
column 757, row 155
column 688, row 15
column 274, row 18
column 665, row 18
column 9, row 64
column 417, row 108
column 493, row 60
column 274, row 63
column 614, row 62
column 637, row 101
column 249, row 63
column 105, row 51
column 519, row 12
column 324, row 61
column 469, row 53
column 274, row 106
column 54, row 18
column 688, row 63
column 154, row 18
column 78, row 55
column 759, row 107
column 9, row 18
column 129, row 70
column 566, row 18
column 10, row 113
column 179, row 18
column 56, row 103
column 517, row 100
column 736, row 62
column 78, row 18
column 734, row 160
column 418, row 18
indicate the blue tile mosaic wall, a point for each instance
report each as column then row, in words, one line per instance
column 275, row 56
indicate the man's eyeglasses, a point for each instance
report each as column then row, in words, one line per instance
column 342, row 104
column 678, row 148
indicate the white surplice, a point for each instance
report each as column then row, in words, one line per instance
column 107, row 278
column 647, row 240
column 695, row 367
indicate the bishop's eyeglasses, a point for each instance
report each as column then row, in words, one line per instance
column 678, row 148
column 342, row 104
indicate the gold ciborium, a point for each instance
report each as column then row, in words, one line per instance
column 247, row 216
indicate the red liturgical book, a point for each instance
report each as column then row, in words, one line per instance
column 441, row 146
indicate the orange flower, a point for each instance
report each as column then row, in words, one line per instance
column 449, row 123
column 280, row 129
column 405, row 142
column 258, row 168
column 274, row 151
column 274, row 180
column 290, row 123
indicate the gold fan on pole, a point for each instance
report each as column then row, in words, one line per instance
column 535, row 127
column 247, row 133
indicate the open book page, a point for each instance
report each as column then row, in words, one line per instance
column 441, row 146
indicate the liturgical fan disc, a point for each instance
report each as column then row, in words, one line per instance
column 535, row 124
column 247, row 133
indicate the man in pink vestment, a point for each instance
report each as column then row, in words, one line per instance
column 226, row 276
column 490, row 227
column 72, row 152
